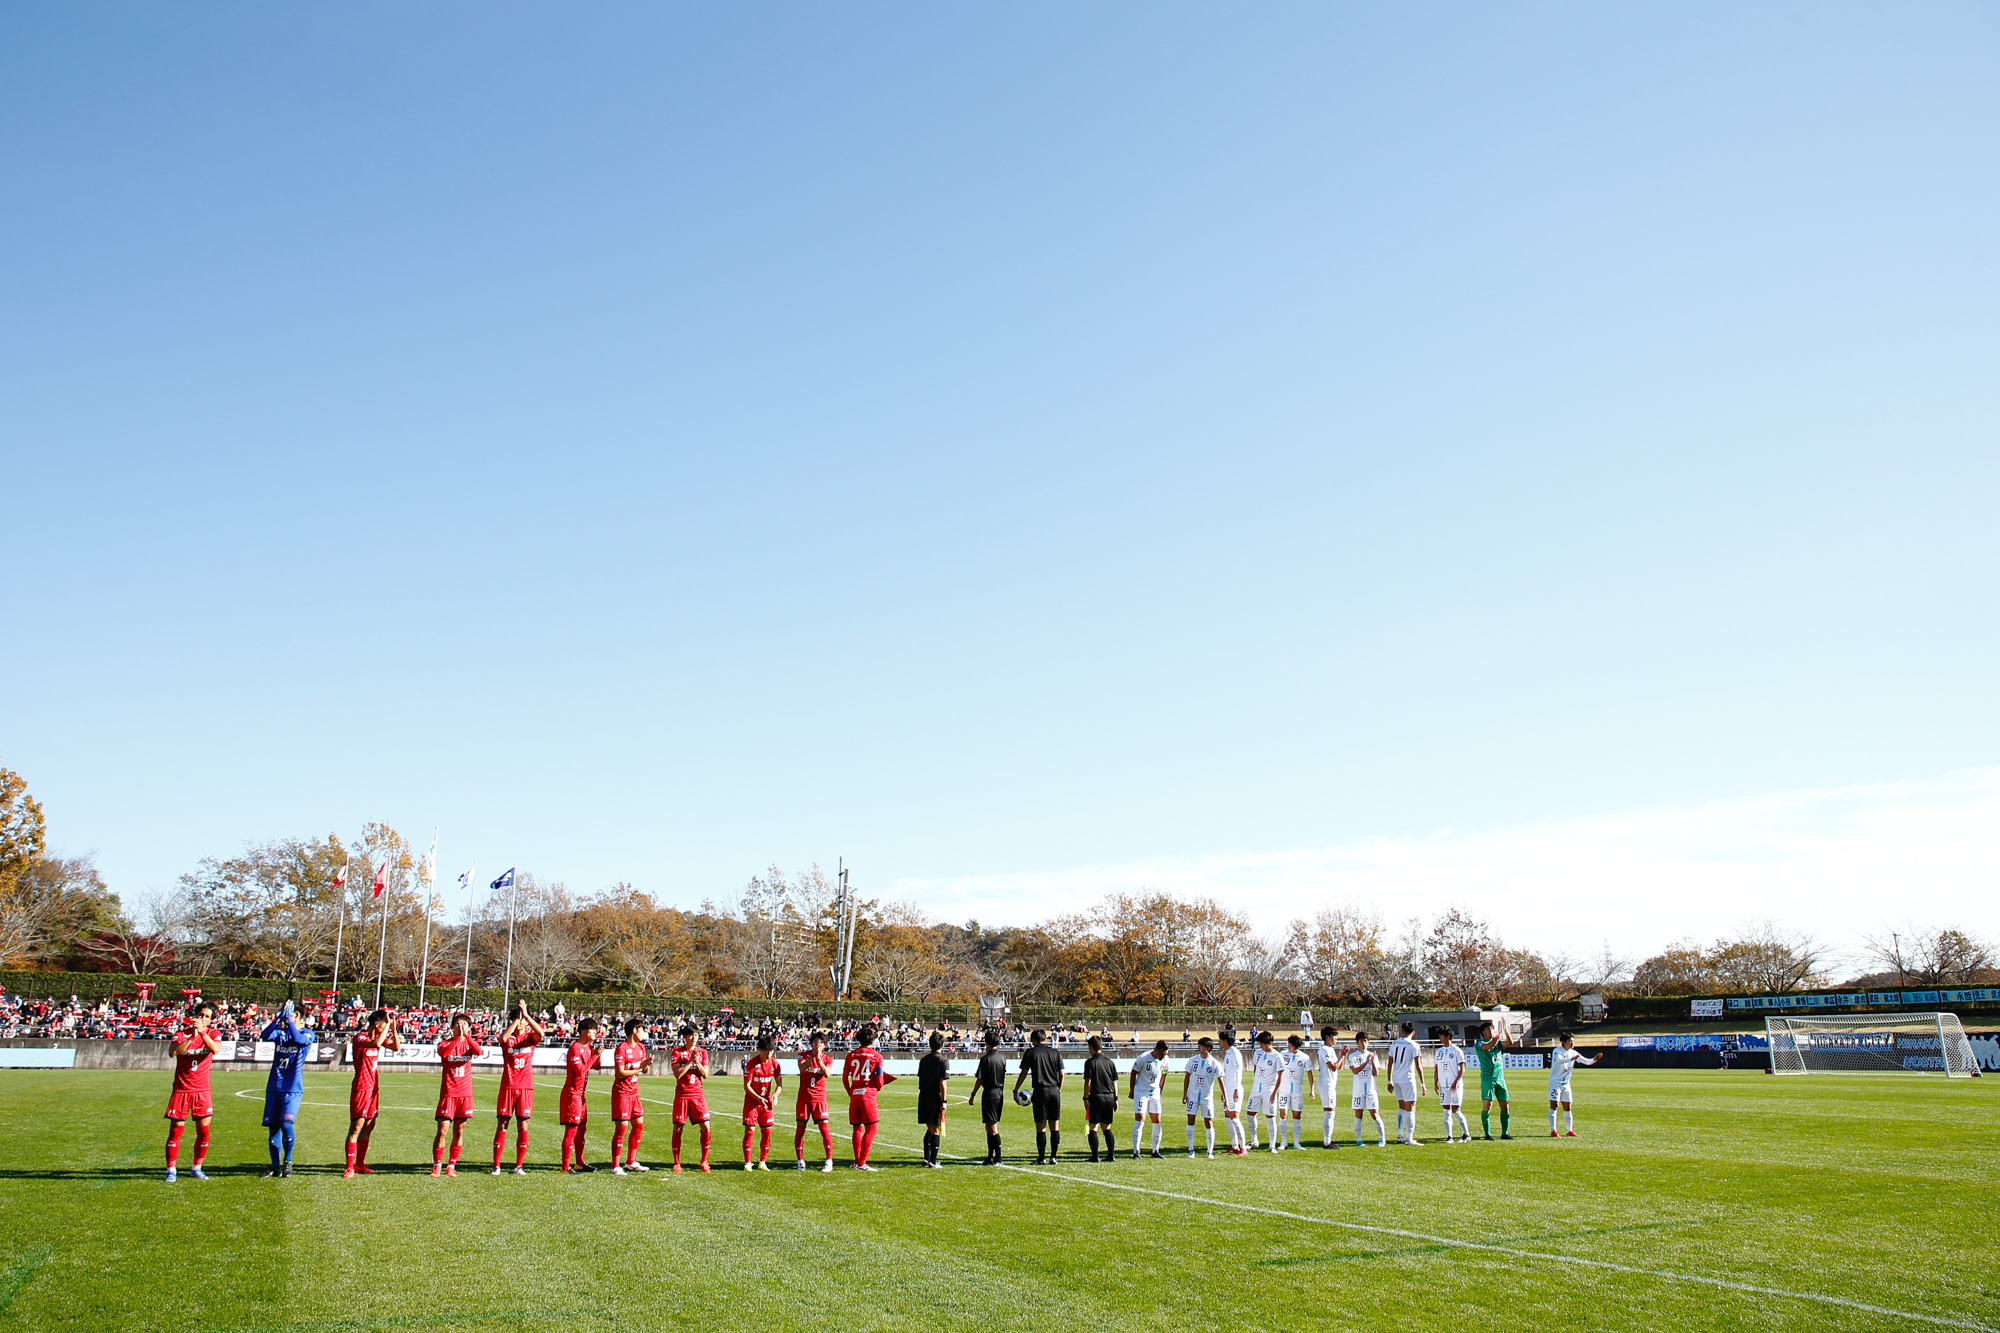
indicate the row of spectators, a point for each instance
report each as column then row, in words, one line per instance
column 128, row 1019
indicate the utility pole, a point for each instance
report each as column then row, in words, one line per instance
column 843, row 934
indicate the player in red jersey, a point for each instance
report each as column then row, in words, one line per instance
column 517, row 1084
column 193, row 1052
column 628, row 1062
column 814, row 1064
column 573, row 1111
column 364, row 1098
column 863, row 1076
column 454, row 1108
column 690, row 1093
column 762, row 1081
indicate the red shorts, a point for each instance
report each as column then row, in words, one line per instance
column 190, row 1106
column 573, row 1110
column 625, row 1103
column 517, row 1101
column 689, row 1107
column 455, row 1108
column 861, row 1110
column 811, row 1108
column 364, row 1103
column 758, row 1113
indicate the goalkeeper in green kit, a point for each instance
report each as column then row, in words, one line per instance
column 1492, row 1079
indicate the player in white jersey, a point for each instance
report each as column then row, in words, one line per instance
column 1232, row 1090
column 1292, row 1096
column 1562, row 1060
column 1326, row 1077
column 1362, row 1066
column 1448, row 1066
column 1406, row 1081
column 1198, row 1092
column 1149, row 1079
column 1267, row 1075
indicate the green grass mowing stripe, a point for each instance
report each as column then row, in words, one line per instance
column 407, row 1321
column 1344, row 1255
column 16, row 1275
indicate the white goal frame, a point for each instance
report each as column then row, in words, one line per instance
column 1907, row 1043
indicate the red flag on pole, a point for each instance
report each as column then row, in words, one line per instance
column 340, row 879
column 382, row 877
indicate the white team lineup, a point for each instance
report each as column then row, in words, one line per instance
column 1284, row 1078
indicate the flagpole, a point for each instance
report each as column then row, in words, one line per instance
column 430, row 883
column 507, row 985
column 340, row 931
column 465, row 977
column 382, row 947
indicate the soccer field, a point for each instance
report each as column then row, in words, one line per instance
column 1694, row 1200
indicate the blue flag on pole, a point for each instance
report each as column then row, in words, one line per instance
column 506, row 880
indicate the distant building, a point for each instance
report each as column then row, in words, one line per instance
column 1595, row 1010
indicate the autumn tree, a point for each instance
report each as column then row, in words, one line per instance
column 271, row 911
column 1682, row 968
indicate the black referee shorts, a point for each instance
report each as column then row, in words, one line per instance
column 1047, row 1105
column 1100, row 1110
column 992, row 1105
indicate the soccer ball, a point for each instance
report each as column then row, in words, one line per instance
column 1022, row 1096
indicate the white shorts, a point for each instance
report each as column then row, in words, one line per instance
column 1405, row 1089
column 1329, row 1091
column 1559, row 1092
column 1201, row 1104
column 1232, row 1098
column 1260, row 1100
column 1363, row 1098
column 1147, row 1105
column 1453, row 1097
column 1293, row 1098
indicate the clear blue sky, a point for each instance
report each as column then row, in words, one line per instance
column 654, row 442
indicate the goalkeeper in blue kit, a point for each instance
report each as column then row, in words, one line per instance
column 286, row 1085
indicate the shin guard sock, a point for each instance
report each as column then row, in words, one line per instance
column 1092, row 1136
column 1506, row 1117
column 639, row 1127
column 826, row 1140
column 1211, row 1140
column 799, row 1141
column 568, row 1145
column 705, row 1138
column 1486, row 1121
column 499, row 1145
column 521, row 1145
column 277, row 1137
column 200, row 1144
column 618, row 1142
column 1055, row 1143
column 1357, row 1131
column 174, row 1129
column 1326, row 1128
column 1138, row 1128
column 457, row 1146
column 1041, row 1145
column 1552, row 1120
column 677, row 1147
column 764, row 1145
column 1569, row 1118
column 1190, row 1137
column 350, row 1154
column 437, row 1153
column 289, row 1132
column 1159, row 1134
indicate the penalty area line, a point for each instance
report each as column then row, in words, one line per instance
column 1514, row 1252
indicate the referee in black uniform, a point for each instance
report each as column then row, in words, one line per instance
column 989, row 1089
column 1100, row 1099
column 1043, row 1064
column 932, row 1071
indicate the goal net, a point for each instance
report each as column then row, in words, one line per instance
column 1871, row 1044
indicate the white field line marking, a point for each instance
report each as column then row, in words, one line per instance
column 1541, row 1256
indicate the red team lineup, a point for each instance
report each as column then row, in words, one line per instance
column 862, row 1076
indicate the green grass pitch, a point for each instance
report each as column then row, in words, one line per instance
column 1873, row 1191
